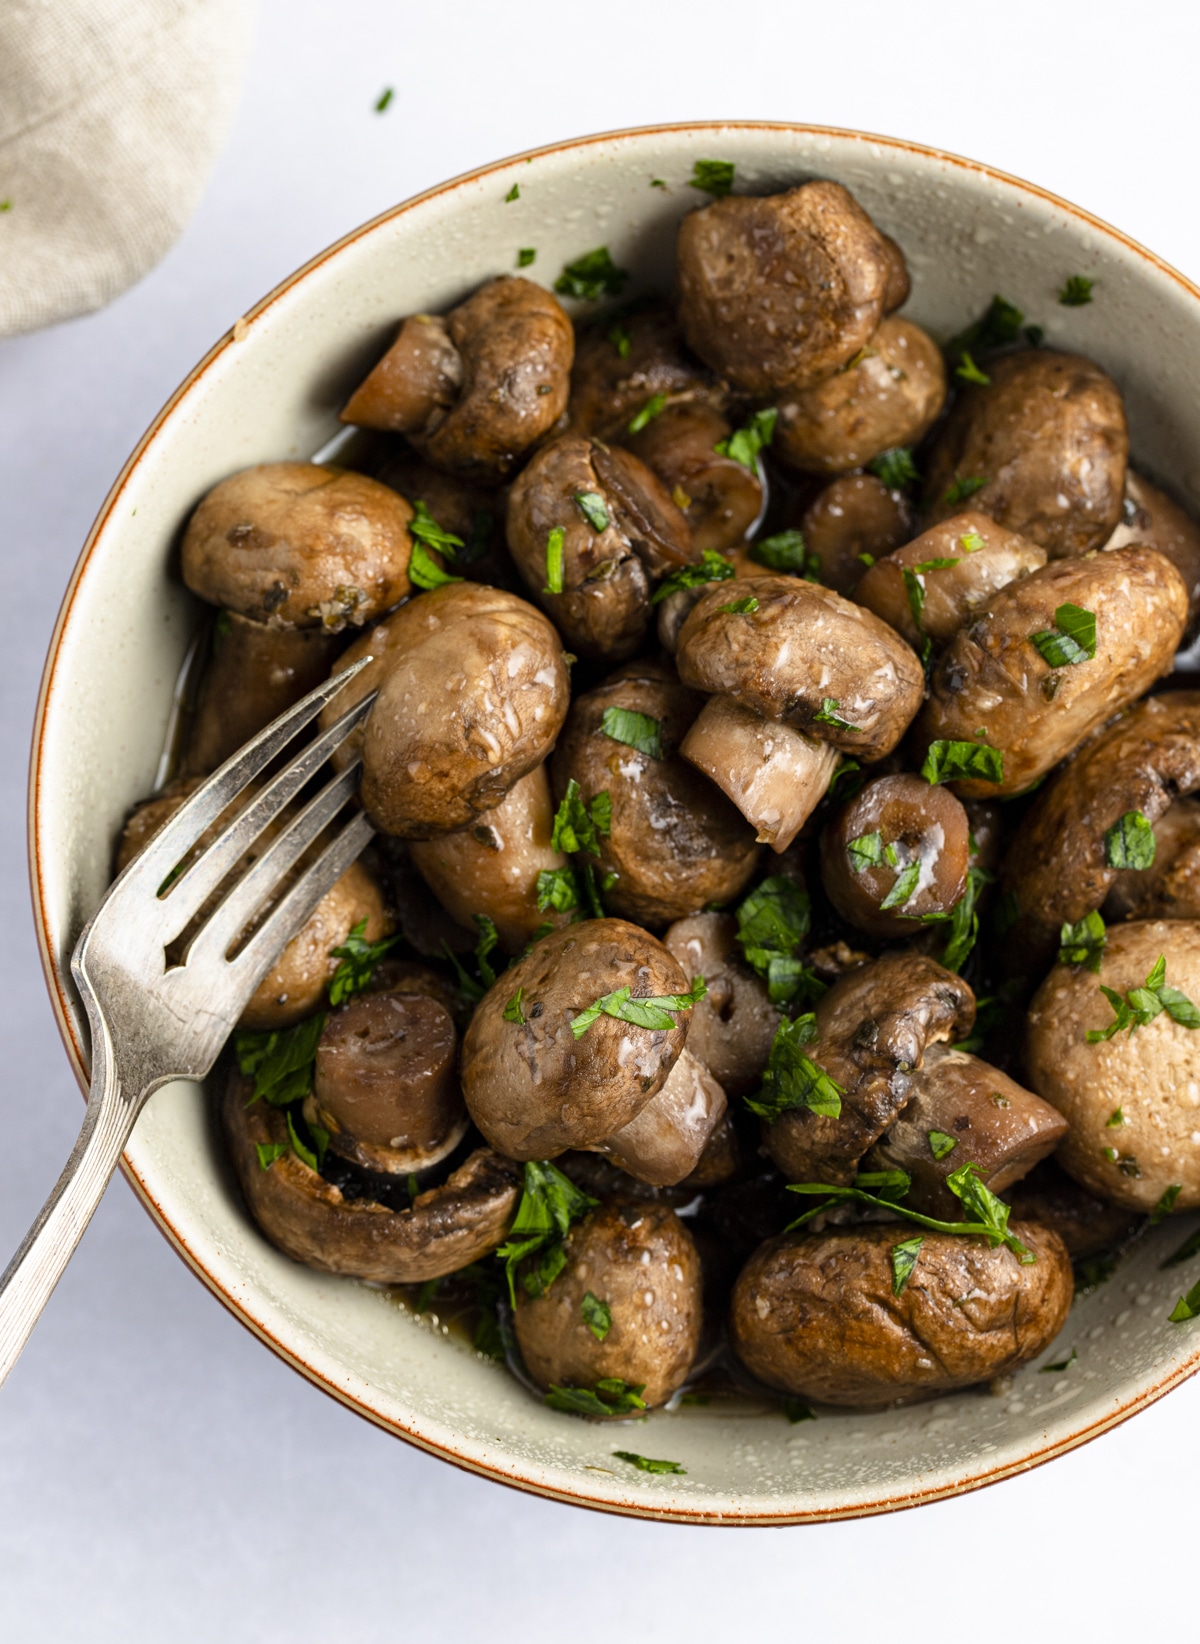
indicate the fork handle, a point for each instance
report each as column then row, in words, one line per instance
column 47, row 1248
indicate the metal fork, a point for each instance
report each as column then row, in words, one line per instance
column 153, row 1020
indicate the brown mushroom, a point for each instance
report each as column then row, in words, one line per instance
column 533, row 1087
column 474, row 695
column 1170, row 887
column 851, row 523
column 874, row 1027
column 898, row 852
column 621, row 366
column 720, row 497
column 665, row 1142
column 1047, row 436
column 299, row 546
column 467, row 508
column 777, row 291
column 896, row 292
column 993, row 676
column 1149, row 516
column 733, row 1025
column 619, row 530
column 818, row 1316
column 889, row 394
column 1086, row 1225
column 675, row 842
column 474, row 391
column 308, row 1218
column 638, row 1259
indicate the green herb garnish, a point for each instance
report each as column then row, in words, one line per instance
column 829, row 715
column 1083, row 943
column 1141, row 1005
column 512, row 1011
column 1166, row 1203
column 895, row 468
column 1071, row 640
column 772, row 922
column 592, row 276
column 609, row 1397
column 964, row 921
column 314, row 1156
column 526, row 256
column 941, row 1144
column 869, row 851
column 1061, row 1365
column 656, row 1013
column 426, row 529
column 791, row 1079
column 424, row 572
column 620, row 339
column 280, row 1063
column 597, row 1315
column 1077, row 292
column 962, row 488
column 786, row 551
column 635, row 730
column 489, row 938
column 713, row 177
column 1000, row 324
column 381, row 102
column 968, row 371
column 514, row 193
column 741, row 607
column 549, row 1204
column 591, row 506
column 358, row 961
column 744, row 444
column 554, row 560
column 796, row 1410
column 904, row 1260
column 580, row 827
column 713, row 567
column 647, row 1464
column 654, row 406
column 268, row 1152
column 1130, row 842
column 904, row 887
column 962, row 761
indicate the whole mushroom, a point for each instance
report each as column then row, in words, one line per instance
column 733, row 1025
column 720, row 497
column 850, row 523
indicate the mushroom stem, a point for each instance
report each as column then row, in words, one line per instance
column 775, row 775
column 664, row 1142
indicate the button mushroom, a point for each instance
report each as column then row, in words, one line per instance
column 1009, row 674
column 733, row 1025
column 621, row 367
column 720, row 497
column 299, row 546
column 637, row 1260
column 475, row 390
column 1148, row 515
column 666, row 1140
column 1170, row 887
column 474, row 695
column 675, row 843
column 818, row 1316
column 1047, row 437
column 850, row 523
column 1132, row 1100
column 589, row 527
column 777, row 291
column 537, row 1085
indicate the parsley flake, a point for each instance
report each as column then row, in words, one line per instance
column 968, row 371
column 656, row 1013
column 792, row 1079
column 281, row 1063
column 1083, row 943
column 773, row 921
column 268, row 1152
column 512, row 1011
column 962, row 488
column 591, row 506
column 1130, row 842
column 744, row 444
column 1072, row 639
column 381, row 103
column 796, row 1411
column 592, row 276
column 829, row 715
column 895, row 468
column 869, row 851
column 746, row 606
column 962, row 761
column 424, row 572
column 904, row 888
column 1077, row 292
column 1166, row 1203
column 609, row 1397
column 941, row 1144
column 514, row 193
column 904, row 1260
column 549, row 1204
column 635, row 730
column 647, row 1464
column 526, row 256
column 1057, row 1368
column 620, row 339
column 597, row 1315
column 579, row 827
column 713, row 567
column 713, row 177
column 787, row 551
column 1141, row 1005
column 358, row 961
column 554, row 560
column 971, row 542
column 656, row 404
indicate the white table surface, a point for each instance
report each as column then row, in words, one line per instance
column 165, row 1477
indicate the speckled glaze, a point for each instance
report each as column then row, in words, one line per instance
column 270, row 389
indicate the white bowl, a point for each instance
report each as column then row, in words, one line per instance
column 270, row 389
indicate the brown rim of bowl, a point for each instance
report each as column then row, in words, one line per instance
column 511, row 1474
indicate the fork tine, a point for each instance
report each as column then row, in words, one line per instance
column 173, row 842
column 265, row 946
column 188, row 894
column 280, row 857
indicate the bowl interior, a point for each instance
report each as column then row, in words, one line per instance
column 271, row 391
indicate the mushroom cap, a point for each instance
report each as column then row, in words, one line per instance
column 611, row 384
column 300, row 545
column 535, row 1090
column 1150, row 516
column 1150, row 1077
column 473, row 699
column 851, row 521
column 721, row 498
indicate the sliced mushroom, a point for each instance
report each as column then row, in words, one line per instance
column 805, row 655
column 774, row 774
column 720, row 498
column 851, row 523
column 311, row 1220
column 492, row 868
column 1170, row 887
column 675, row 842
column 818, row 1316
column 1149, row 516
column 1131, row 1101
column 299, row 546
column 637, row 1259
column 963, row 1110
column 531, row 1086
column 993, row 676
column 474, row 391
column 620, row 368
column 733, row 1025
column 777, row 291
column 473, row 698
column 868, row 851
column 1047, row 435
column 958, row 566
column 667, row 1139
column 889, row 394
column 874, row 1028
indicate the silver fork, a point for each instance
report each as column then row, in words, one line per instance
column 153, row 1020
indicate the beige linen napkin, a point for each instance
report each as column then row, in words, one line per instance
column 112, row 113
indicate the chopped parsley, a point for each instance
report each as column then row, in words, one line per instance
column 656, row 1013
column 489, row 938
column 914, row 587
column 557, row 889
column 713, row 567
column 966, row 1183
column 654, row 406
column 964, row 487
column 281, row 1062
column 968, row 371
column 424, row 572
column 591, row 506
column 549, row 1204
column 526, row 256
column 1083, row 943
column 1060, row 1365
column 635, row 730
column 895, row 468
column 1186, row 1251
column 268, row 1152
column 869, row 851
column 1115, row 1118
column 619, row 337
column 592, row 276
column 514, row 193
column 971, row 542
column 773, row 921
column 1141, row 1005
column 1077, row 292
column 426, row 529
column 580, row 827
column 314, row 1156
column 786, row 551
column 791, row 1079
column 512, row 1011
column 1130, row 842
column 962, row 761
column 1000, row 324
column 904, row 887
column 609, row 1397
column 358, row 961
column 713, row 177
column 597, row 1315
column 647, row 1464
column 744, row 444
column 796, row 1411
column 741, row 607
column 904, row 1260
column 381, row 102
column 941, row 1144
column 554, row 560
column 1166, row 1203
column 829, row 715
column 1071, row 640
column 1187, row 1307
column 963, row 921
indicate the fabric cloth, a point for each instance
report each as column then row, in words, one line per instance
column 112, row 113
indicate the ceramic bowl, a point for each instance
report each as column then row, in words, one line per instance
column 270, row 389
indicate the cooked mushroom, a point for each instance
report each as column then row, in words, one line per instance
column 468, row 508
column 616, row 529
column 733, row 1025
column 1047, row 436
column 667, row 1139
column 1034, row 709
column 533, row 1087
column 1170, row 887
column 791, row 650
column 722, row 1159
column 929, row 587
column 475, row 693
column 308, row 1218
column 294, row 987
column 1056, row 870
column 851, row 523
column 818, row 1316
column 475, row 390
column 1086, row 1225
column 637, row 1259
column 675, row 842
column 1148, row 515
column 720, row 497
column 874, row 1027
column 621, row 366
column 774, row 774
column 889, row 394
column 960, row 1111
column 299, row 546
column 898, row 852
column 897, row 290
column 1132, row 1101
column 385, row 1086
column 492, row 868
column 777, row 291
column 256, row 672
